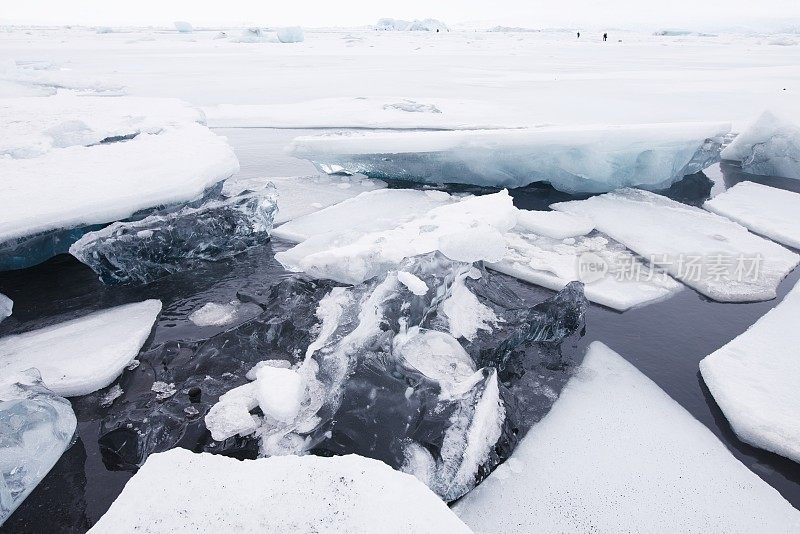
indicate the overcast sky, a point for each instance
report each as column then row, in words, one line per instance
column 689, row 14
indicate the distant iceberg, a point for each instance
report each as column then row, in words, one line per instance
column 430, row 25
column 573, row 159
column 290, row 34
column 183, row 27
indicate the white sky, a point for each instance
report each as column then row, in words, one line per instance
column 688, row 14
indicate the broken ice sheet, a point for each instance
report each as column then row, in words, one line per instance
column 36, row 427
column 592, row 159
column 173, row 241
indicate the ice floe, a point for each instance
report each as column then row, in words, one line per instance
column 6, row 306
column 717, row 257
column 43, row 79
column 82, row 355
column 218, row 228
column 765, row 210
column 33, row 126
column 114, row 181
column 593, row 158
column 280, row 494
column 553, row 224
column 770, row 146
column 366, row 112
column 754, row 380
column 36, row 427
column 616, row 454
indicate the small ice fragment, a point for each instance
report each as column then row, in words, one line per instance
column 163, row 390
column 108, row 398
column 412, row 282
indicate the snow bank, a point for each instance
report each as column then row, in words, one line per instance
column 280, row 494
column 90, row 352
column 107, row 182
column 765, row 210
column 755, row 378
column 717, row 257
column 367, row 112
column 572, row 159
column 616, row 454
column 770, row 146
column 6, row 306
column 36, row 427
column 290, row 34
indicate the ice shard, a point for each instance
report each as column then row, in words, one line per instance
column 595, row 158
column 164, row 243
column 36, row 427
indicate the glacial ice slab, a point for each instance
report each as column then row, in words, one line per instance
column 33, row 126
column 6, row 306
column 616, row 454
column 47, row 200
column 765, row 210
column 82, row 355
column 572, row 159
column 754, row 380
column 164, row 243
column 301, row 195
column 468, row 230
column 717, row 257
column 280, row 494
column 368, row 212
column 36, row 427
column 770, row 146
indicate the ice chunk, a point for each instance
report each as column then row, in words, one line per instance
column 231, row 414
column 613, row 276
column 412, row 282
column 572, row 159
column 390, row 24
column 368, row 112
column 279, row 392
column 616, row 454
column 755, row 378
column 465, row 314
column 6, row 305
column 765, row 210
column 165, row 243
column 467, row 231
column 427, row 25
column 163, row 390
column 552, row 224
column 34, row 126
column 290, row 34
column 251, row 35
column 114, row 180
column 108, row 398
column 183, row 26
column 214, row 314
column 368, row 212
column 717, row 257
column 91, row 351
column 770, row 146
column 36, row 427
column 287, row 493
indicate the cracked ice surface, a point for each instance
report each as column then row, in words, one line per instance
column 92, row 350
column 769, row 146
column 616, row 454
column 173, row 241
column 754, row 380
column 765, row 210
column 717, row 257
column 281, row 494
column 572, row 159
column 36, row 427
column 115, row 181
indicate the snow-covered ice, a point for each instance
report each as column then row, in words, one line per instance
column 46, row 79
column 383, row 209
column 769, row 146
column 765, row 210
column 367, row 112
column 36, row 427
column 82, row 355
column 468, row 230
column 301, row 195
column 616, row 454
column 166, row 242
column 33, row 202
column 6, row 306
column 754, row 380
column 553, row 224
column 279, row 392
column 592, row 158
column 215, row 493
column 290, row 34
column 717, row 257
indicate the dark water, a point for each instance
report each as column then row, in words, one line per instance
column 665, row 341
